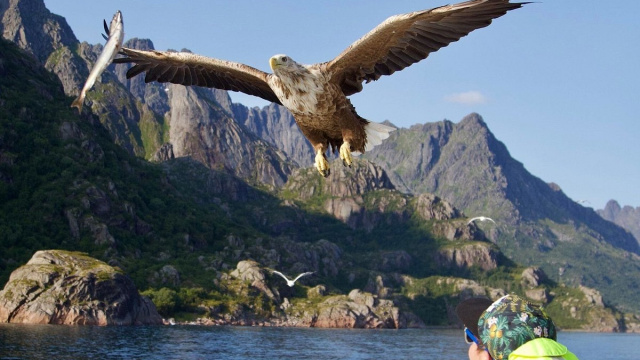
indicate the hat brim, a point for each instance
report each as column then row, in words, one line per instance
column 469, row 312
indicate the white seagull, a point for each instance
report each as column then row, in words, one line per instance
column 481, row 218
column 292, row 282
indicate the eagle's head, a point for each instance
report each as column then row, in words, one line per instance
column 282, row 62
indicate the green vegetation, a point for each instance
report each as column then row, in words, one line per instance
column 65, row 183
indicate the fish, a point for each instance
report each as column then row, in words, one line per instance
column 114, row 37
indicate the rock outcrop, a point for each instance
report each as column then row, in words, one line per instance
column 480, row 254
column 587, row 307
column 61, row 287
column 358, row 310
column 533, row 277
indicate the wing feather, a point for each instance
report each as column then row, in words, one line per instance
column 403, row 40
column 301, row 275
column 185, row 68
column 281, row 274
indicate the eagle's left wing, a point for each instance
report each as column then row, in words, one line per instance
column 403, row 40
column 187, row 69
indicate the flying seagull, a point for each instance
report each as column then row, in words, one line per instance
column 316, row 95
column 292, row 282
column 480, row 218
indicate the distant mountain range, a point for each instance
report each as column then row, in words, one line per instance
column 260, row 157
column 626, row 216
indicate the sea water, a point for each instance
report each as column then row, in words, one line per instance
column 226, row 342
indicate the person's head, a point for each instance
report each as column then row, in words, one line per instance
column 500, row 327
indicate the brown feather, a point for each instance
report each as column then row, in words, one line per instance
column 187, row 69
column 403, row 40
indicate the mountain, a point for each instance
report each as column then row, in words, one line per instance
column 537, row 223
column 275, row 125
column 65, row 184
column 627, row 217
column 199, row 123
column 222, row 192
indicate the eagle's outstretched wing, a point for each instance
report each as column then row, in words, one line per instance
column 403, row 40
column 187, row 69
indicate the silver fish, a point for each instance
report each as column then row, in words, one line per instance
column 115, row 36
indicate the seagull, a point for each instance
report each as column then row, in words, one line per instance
column 481, row 218
column 292, row 282
column 583, row 201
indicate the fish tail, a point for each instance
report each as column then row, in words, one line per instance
column 77, row 103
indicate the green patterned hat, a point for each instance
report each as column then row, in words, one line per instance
column 510, row 322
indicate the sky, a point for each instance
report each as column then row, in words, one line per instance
column 557, row 81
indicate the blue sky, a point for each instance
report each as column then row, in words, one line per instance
column 557, row 81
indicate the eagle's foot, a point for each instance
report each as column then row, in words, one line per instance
column 322, row 164
column 345, row 154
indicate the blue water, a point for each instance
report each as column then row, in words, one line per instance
column 199, row 342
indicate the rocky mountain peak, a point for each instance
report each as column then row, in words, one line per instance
column 34, row 28
column 626, row 217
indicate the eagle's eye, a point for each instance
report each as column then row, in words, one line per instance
column 284, row 59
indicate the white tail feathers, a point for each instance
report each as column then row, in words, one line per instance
column 376, row 132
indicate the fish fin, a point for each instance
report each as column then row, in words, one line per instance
column 106, row 28
column 104, row 36
column 77, row 103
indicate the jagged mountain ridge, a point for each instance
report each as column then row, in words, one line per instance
column 466, row 165
column 537, row 223
column 140, row 117
column 626, row 216
column 201, row 125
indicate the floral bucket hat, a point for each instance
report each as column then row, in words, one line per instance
column 510, row 322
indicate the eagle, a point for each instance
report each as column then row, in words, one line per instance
column 317, row 95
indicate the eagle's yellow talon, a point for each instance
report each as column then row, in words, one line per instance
column 322, row 164
column 345, row 154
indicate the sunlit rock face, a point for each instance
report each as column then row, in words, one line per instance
column 60, row 287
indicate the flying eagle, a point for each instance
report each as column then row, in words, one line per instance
column 316, row 95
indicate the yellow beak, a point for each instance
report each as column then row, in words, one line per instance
column 273, row 62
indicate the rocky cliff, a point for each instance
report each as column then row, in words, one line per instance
column 59, row 287
column 275, row 125
column 468, row 167
column 138, row 115
column 198, row 123
column 626, row 217
column 47, row 36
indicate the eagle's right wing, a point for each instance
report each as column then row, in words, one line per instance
column 185, row 68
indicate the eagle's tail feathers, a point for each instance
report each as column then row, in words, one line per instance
column 376, row 132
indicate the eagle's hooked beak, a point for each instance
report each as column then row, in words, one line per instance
column 273, row 63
